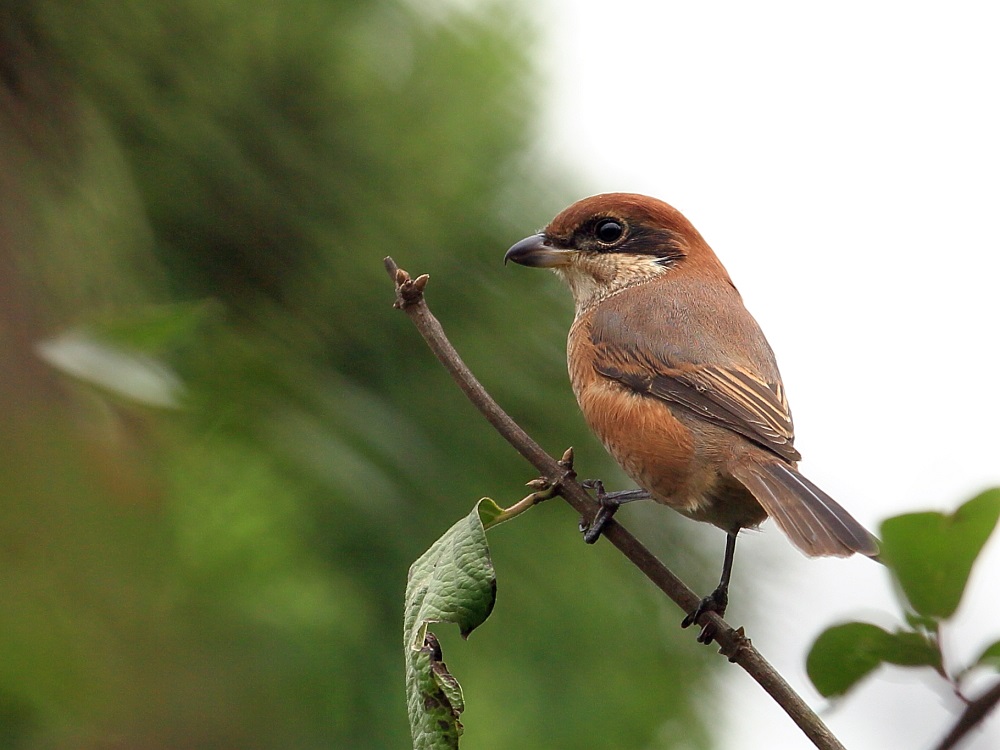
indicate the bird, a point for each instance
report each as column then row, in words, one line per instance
column 676, row 379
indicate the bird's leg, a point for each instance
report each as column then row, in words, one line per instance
column 718, row 599
column 609, row 502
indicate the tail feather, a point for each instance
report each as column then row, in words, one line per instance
column 810, row 518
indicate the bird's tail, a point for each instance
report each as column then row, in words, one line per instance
column 813, row 520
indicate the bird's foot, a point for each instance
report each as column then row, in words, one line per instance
column 592, row 531
column 609, row 502
column 714, row 602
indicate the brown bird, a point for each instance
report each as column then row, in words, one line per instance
column 677, row 380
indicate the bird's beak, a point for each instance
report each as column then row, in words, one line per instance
column 537, row 252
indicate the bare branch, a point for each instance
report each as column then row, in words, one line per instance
column 974, row 713
column 732, row 643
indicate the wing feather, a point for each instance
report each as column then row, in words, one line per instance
column 731, row 397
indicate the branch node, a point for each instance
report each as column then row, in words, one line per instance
column 566, row 462
column 737, row 644
column 567, row 458
column 408, row 291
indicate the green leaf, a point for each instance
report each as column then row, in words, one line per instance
column 920, row 623
column 122, row 354
column 932, row 554
column 453, row 581
column 125, row 373
column 990, row 657
column 489, row 512
column 844, row 654
column 433, row 698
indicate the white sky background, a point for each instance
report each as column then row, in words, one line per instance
column 843, row 161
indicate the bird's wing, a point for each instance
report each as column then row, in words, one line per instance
column 731, row 397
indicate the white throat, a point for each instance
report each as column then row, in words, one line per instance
column 593, row 278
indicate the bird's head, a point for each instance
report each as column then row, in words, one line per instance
column 606, row 243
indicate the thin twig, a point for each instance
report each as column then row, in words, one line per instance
column 974, row 712
column 732, row 643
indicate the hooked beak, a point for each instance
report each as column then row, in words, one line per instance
column 537, row 252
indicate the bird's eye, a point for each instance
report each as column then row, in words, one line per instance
column 608, row 231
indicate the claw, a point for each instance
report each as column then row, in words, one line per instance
column 707, row 633
column 592, row 531
column 714, row 602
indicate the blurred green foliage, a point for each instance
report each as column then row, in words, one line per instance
column 930, row 555
column 210, row 187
